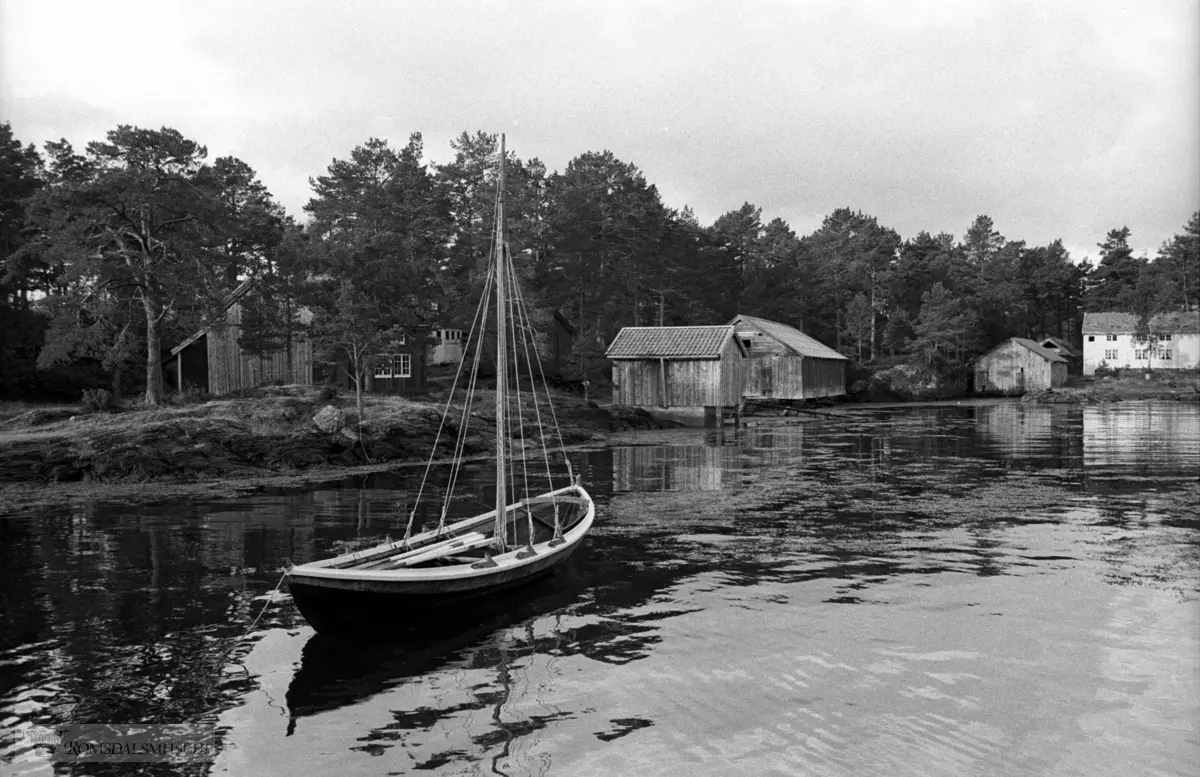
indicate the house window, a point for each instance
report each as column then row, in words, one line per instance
column 1091, row 338
column 1139, row 355
column 1111, row 338
column 1164, row 337
column 1110, row 354
column 1163, row 353
column 397, row 366
column 402, row 365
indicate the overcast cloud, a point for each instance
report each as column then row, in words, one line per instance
column 1059, row 120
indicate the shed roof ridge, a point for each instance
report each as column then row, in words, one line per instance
column 790, row 337
column 1045, row 353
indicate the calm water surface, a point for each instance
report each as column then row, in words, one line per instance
column 987, row 590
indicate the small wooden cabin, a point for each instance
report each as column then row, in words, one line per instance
column 401, row 372
column 678, row 372
column 213, row 360
column 1018, row 365
column 784, row 363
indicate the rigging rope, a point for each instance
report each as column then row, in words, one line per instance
column 527, row 326
column 554, row 417
column 518, row 315
column 480, row 317
column 519, row 332
column 465, row 420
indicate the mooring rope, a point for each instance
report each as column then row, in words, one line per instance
column 266, row 604
column 253, row 623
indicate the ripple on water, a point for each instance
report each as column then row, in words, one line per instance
column 991, row 589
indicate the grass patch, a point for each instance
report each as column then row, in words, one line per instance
column 10, row 410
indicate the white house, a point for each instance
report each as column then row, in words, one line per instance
column 1112, row 340
column 446, row 346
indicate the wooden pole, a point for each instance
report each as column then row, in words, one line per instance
column 662, row 381
column 501, row 360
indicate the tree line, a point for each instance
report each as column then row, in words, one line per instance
column 113, row 254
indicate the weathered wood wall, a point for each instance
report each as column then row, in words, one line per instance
column 1011, row 369
column 823, row 378
column 794, row 377
column 688, row 382
column 776, row 371
column 230, row 369
column 733, row 374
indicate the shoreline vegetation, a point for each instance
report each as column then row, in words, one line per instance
column 287, row 436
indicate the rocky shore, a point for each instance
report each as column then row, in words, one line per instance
column 1179, row 387
column 284, row 431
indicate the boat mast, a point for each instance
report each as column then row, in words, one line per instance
column 501, row 359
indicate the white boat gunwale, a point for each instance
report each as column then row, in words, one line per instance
column 329, row 569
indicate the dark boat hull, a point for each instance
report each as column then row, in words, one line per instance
column 356, row 611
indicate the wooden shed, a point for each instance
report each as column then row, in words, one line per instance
column 678, row 372
column 786, row 364
column 1018, row 365
column 213, row 360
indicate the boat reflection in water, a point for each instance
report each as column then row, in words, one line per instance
column 337, row 670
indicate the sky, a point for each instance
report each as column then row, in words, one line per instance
column 1059, row 120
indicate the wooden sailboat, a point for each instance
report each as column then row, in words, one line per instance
column 523, row 538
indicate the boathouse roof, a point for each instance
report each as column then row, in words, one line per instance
column 671, row 342
column 789, row 336
column 1058, row 343
column 1048, row 354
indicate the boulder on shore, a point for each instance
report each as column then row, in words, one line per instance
column 329, row 419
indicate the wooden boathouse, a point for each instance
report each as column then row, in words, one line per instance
column 690, row 374
column 1018, row 365
column 213, row 360
column 785, row 364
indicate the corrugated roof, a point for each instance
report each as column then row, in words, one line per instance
column 791, row 337
column 1126, row 323
column 680, row 342
column 1046, row 353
